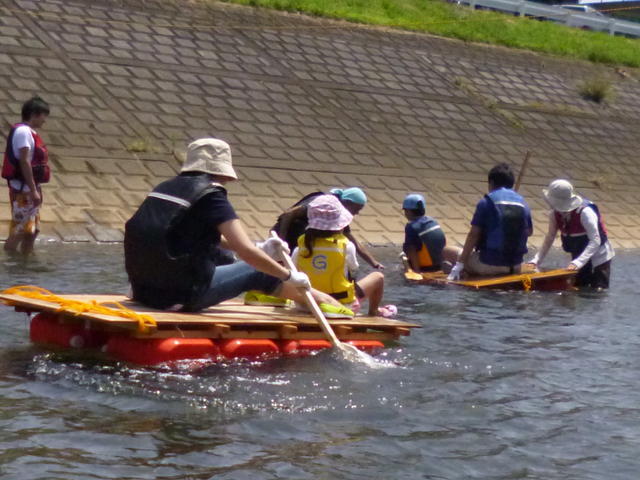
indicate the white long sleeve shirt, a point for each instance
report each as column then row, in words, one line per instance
column 22, row 138
column 595, row 252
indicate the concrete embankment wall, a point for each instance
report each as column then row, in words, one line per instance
column 306, row 104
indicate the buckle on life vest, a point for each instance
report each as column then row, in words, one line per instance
column 340, row 295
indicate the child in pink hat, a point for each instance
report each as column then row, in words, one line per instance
column 327, row 256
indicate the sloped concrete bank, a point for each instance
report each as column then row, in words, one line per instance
column 306, row 104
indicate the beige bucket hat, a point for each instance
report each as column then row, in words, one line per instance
column 209, row 155
column 561, row 197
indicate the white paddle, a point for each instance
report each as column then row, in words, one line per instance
column 349, row 351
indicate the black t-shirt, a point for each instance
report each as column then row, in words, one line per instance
column 199, row 227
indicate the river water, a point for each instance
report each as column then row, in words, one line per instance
column 496, row 385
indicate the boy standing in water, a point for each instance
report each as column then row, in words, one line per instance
column 25, row 167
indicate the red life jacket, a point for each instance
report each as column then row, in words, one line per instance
column 573, row 235
column 39, row 163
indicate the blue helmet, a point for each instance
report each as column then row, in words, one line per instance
column 413, row 201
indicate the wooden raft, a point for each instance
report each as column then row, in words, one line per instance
column 560, row 279
column 230, row 319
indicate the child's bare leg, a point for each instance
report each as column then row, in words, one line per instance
column 373, row 287
column 450, row 254
column 27, row 243
column 12, row 242
column 293, row 293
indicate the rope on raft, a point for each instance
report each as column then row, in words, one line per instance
column 77, row 307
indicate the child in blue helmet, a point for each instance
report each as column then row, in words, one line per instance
column 424, row 241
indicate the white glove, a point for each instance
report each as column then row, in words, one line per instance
column 456, row 271
column 299, row 280
column 274, row 247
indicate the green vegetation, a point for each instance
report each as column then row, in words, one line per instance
column 140, row 145
column 558, row 109
column 464, row 85
column 450, row 20
column 597, row 89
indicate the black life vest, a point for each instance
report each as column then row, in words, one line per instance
column 508, row 238
column 160, row 277
column 39, row 162
column 298, row 225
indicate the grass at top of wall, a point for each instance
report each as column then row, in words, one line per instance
column 450, row 20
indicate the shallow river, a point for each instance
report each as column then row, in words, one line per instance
column 494, row 386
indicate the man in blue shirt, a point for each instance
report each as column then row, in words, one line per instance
column 499, row 230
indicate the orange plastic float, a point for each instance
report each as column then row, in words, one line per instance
column 248, row 348
column 129, row 332
column 300, row 348
column 372, row 347
column 46, row 328
column 152, row 351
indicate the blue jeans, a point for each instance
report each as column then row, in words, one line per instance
column 229, row 281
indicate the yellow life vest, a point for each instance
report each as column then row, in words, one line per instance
column 326, row 266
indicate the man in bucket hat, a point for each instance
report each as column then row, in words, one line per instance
column 582, row 232
column 171, row 242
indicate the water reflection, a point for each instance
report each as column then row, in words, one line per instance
column 495, row 385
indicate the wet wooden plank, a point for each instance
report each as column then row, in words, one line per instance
column 520, row 280
column 269, row 334
column 36, row 305
column 233, row 314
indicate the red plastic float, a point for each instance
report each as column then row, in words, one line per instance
column 47, row 328
column 372, row 347
column 248, row 347
column 152, row 351
column 300, row 348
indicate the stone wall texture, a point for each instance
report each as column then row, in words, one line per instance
column 306, row 104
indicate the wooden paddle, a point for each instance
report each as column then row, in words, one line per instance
column 523, row 168
column 350, row 351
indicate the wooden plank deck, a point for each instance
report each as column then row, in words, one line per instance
column 230, row 319
column 560, row 279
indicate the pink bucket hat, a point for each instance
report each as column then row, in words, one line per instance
column 327, row 213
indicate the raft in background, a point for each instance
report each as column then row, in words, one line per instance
column 553, row 280
column 128, row 331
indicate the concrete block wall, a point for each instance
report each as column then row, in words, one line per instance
column 306, row 104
